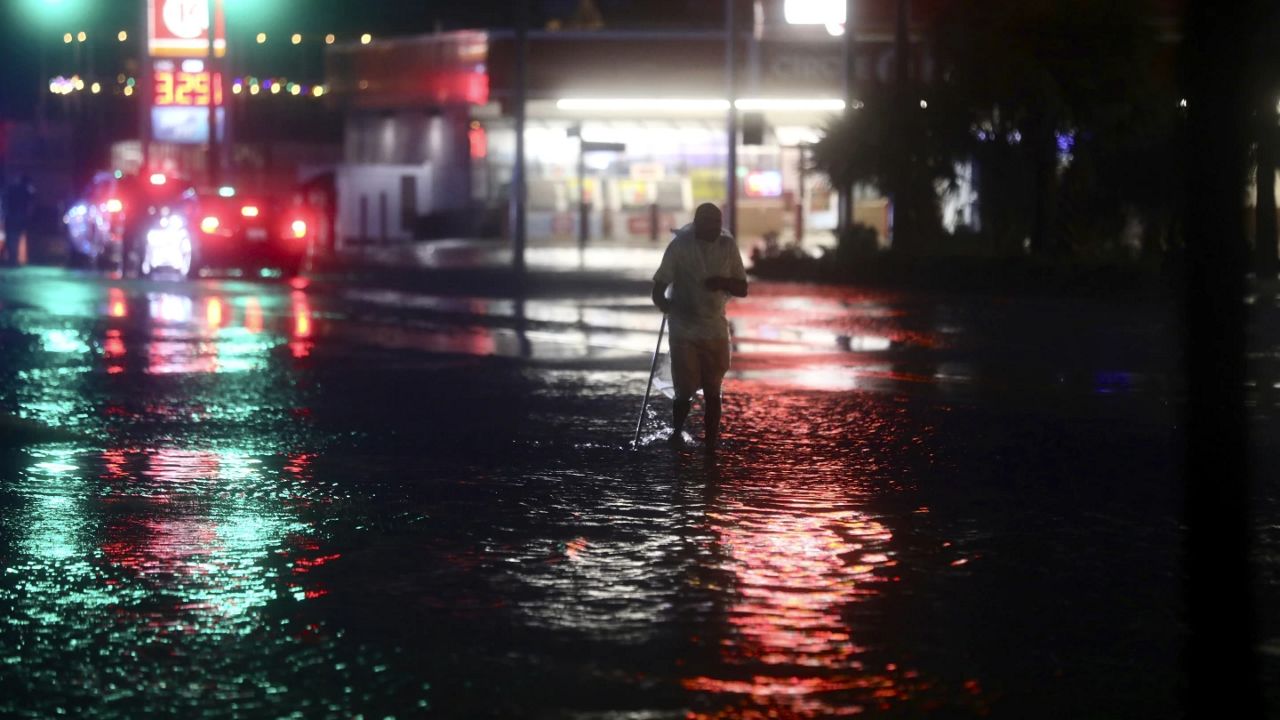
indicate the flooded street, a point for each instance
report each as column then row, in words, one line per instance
column 276, row 500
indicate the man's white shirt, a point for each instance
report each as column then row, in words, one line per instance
column 698, row 313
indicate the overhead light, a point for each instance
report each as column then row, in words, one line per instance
column 249, row 211
column 365, row 39
column 122, row 36
column 814, row 12
column 262, row 37
column 226, row 191
column 158, row 179
column 797, row 104
column 634, row 104
column 328, row 39
column 698, row 104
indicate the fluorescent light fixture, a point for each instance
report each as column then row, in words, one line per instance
column 833, row 104
column 636, row 104
column 814, row 12
column 697, row 105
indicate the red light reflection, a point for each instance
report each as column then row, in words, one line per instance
column 213, row 313
column 253, row 315
column 802, row 550
column 301, row 345
column 116, row 306
column 113, row 350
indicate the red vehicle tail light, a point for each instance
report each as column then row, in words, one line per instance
column 249, row 211
column 298, row 228
column 113, row 205
column 209, row 224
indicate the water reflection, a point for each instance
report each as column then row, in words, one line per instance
column 130, row 570
column 800, row 555
column 144, row 575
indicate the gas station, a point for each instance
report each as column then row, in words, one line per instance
column 616, row 152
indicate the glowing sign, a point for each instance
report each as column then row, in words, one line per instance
column 762, row 184
column 181, row 28
column 814, row 12
column 186, row 89
column 185, row 125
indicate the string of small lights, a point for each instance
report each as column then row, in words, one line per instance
column 251, row 86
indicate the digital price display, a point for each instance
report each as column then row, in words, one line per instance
column 181, row 88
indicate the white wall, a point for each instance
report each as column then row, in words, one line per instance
column 367, row 184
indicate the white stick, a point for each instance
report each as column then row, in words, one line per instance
column 653, row 366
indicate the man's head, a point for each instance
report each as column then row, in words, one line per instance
column 706, row 222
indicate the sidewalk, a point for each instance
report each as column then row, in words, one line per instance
column 484, row 267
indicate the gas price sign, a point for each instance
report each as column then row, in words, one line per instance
column 185, row 85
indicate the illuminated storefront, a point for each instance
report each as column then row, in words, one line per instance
column 639, row 116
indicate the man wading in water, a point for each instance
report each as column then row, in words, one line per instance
column 703, row 268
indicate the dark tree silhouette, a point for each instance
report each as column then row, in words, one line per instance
column 1062, row 106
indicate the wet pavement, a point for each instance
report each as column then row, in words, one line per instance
column 292, row 500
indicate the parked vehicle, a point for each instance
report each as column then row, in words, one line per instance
column 250, row 232
column 111, row 225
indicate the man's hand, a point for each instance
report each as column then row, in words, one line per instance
column 660, row 298
column 733, row 286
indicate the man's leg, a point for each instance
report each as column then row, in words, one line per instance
column 711, row 418
column 679, row 413
column 684, row 378
column 715, row 364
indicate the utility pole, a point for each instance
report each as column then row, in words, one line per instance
column 144, row 89
column 731, row 124
column 518, row 183
column 844, row 199
column 211, row 7
column 902, row 69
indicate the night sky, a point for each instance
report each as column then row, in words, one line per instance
column 23, row 28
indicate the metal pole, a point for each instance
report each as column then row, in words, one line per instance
column 518, row 189
column 844, row 201
column 583, row 219
column 731, row 122
column 653, row 367
column 144, row 89
column 211, row 7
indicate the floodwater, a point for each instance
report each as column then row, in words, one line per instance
column 266, row 500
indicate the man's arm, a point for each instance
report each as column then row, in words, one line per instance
column 736, row 287
column 660, row 296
